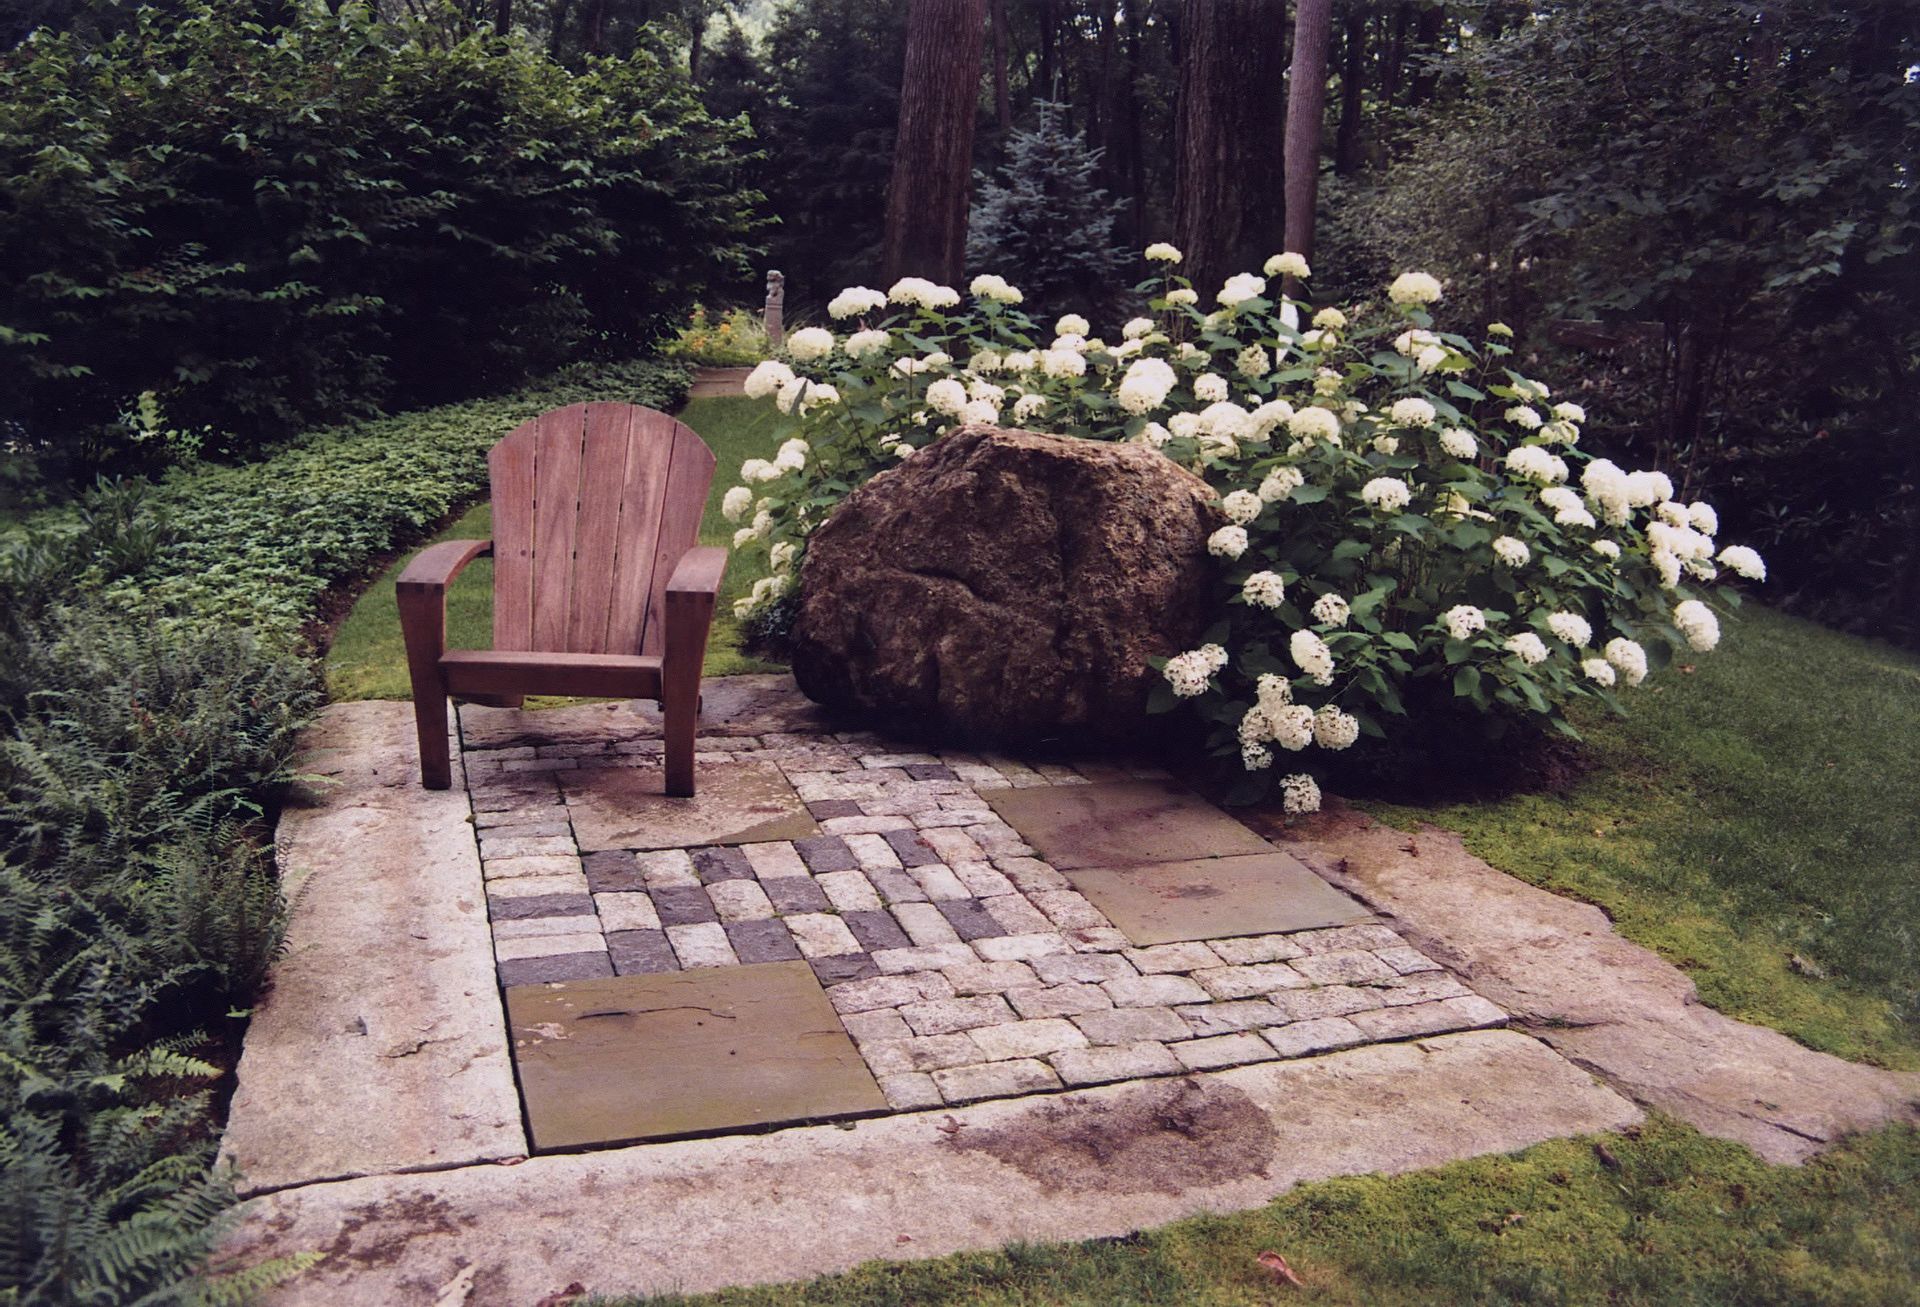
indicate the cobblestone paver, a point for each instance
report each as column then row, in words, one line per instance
column 963, row 966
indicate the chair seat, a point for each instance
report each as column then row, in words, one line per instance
column 506, row 671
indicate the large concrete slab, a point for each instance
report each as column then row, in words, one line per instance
column 1611, row 1006
column 699, row 1215
column 658, row 1056
column 1215, row 898
column 381, row 1045
column 1121, row 824
column 738, row 802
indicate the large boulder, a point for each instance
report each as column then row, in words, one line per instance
column 1006, row 586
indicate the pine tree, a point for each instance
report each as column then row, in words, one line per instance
column 1044, row 225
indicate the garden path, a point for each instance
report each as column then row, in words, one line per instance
column 926, row 946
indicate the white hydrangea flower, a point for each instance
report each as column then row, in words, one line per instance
column 1704, row 519
column 1607, row 549
column 1145, row 385
column 1255, row 727
column 1241, row 506
column 927, row 294
column 1667, row 564
column 1186, row 426
column 1458, row 442
column 1029, row 406
column 1255, row 757
column 1224, row 419
column 1387, row 445
column 1021, row 360
column 1136, row 328
column 818, row 395
column 1161, row 252
column 1241, row 287
column 908, row 366
column 1697, row 622
column 1532, row 463
column 1228, row 542
column 1644, row 489
column 759, row 469
column 1253, row 361
column 1210, row 387
column 1744, row 562
column 1568, row 411
column 1314, row 424
column 1072, row 324
column 1280, row 483
column 1701, row 569
column 743, row 606
column 1414, row 288
column 1387, row 494
column 1672, row 514
column 1078, row 344
column 1330, row 319
column 1299, row 794
column 1331, row 610
column 984, row 363
column 1523, row 416
column 1527, row 647
column 1557, row 432
column 789, row 397
column 1571, row 627
column 1311, row 655
column 1463, row 620
column 855, row 300
column 1597, row 670
column 736, row 503
column 1319, row 339
column 1274, row 693
column 1263, row 420
column 1511, row 551
column 1188, row 673
column 1528, row 386
column 1628, row 658
column 1327, row 382
column 762, row 524
column 1430, row 358
column 987, row 286
column 810, row 343
column 782, row 555
column 1063, row 363
column 980, row 388
column 861, row 344
column 1410, row 342
column 768, row 378
column 1287, row 265
column 1559, row 498
column 1292, row 726
column 792, row 455
column 744, row 537
column 1334, row 729
column 947, row 396
column 1412, row 412
column 1184, row 296
column 981, row 413
column 1264, row 590
column 1154, row 435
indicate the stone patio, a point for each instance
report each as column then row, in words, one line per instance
column 962, row 963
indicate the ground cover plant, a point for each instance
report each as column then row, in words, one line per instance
column 1404, row 556
column 1662, row 1215
column 720, row 338
column 366, row 659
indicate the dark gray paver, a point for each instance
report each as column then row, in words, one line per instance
column 1121, row 824
column 683, row 905
column 876, row 930
column 539, row 905
column 641, row 951
column 895, row 885
column 721, row 864
column 911, row 849
column 1213, row 898
column 612, row 871
column 561, row 966
column 970, row 919
column 844, row 967
column 824, row 853
column 929, row 771
column 653, row 1056
column 768, row 940
column 796, row 894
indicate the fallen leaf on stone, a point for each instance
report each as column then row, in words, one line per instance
column 1282, row 1273
column 951, row 1127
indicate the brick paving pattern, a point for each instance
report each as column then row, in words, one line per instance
column 962, row 965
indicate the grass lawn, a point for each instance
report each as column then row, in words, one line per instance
column 1665, row 1217
column 368, row 661
column 1757, row 822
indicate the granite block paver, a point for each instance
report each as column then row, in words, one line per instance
column 763, row 940
column 1130, row 1025
column 636, row 952
column 821, row 934
column 538, row 905
column 563, row 966
column 626, row 912
column 791, row 894
column 966, row 1084
column 969, row 918
column 1096, row 1066
column 717, row 864
column 876, row 930
column 703, row 944
column 613, row 871
column 684, row 905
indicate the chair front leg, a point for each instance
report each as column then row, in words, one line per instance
column 689, row 617
column 423, row 625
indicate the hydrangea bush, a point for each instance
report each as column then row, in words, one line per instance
column 1409, row 520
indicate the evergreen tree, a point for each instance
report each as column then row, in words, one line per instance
column 1043, row 223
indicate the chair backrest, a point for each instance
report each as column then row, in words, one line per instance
column 593, row 505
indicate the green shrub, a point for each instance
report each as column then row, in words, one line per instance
column 1410, row 533
column 208, row 226
column 735, row 338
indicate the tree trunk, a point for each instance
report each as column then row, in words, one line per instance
column 1228, row 197
column 1306, row 110
column 1395, row 62
column 1136, row 152
column 1047, row 75
column 1002, row 96
column 697, row 25
column 1353, row 71
column 1426, row 70
column 502, row 17
column 926, row 231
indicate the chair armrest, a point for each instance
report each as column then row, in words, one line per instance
column 437, row 565
column 698, row 574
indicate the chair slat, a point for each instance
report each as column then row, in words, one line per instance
column 510, row 470
column 688, row 480
column 653, row 436
column 556, row 521
column 597, row 547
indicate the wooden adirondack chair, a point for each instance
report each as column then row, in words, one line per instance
column 597, row 586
